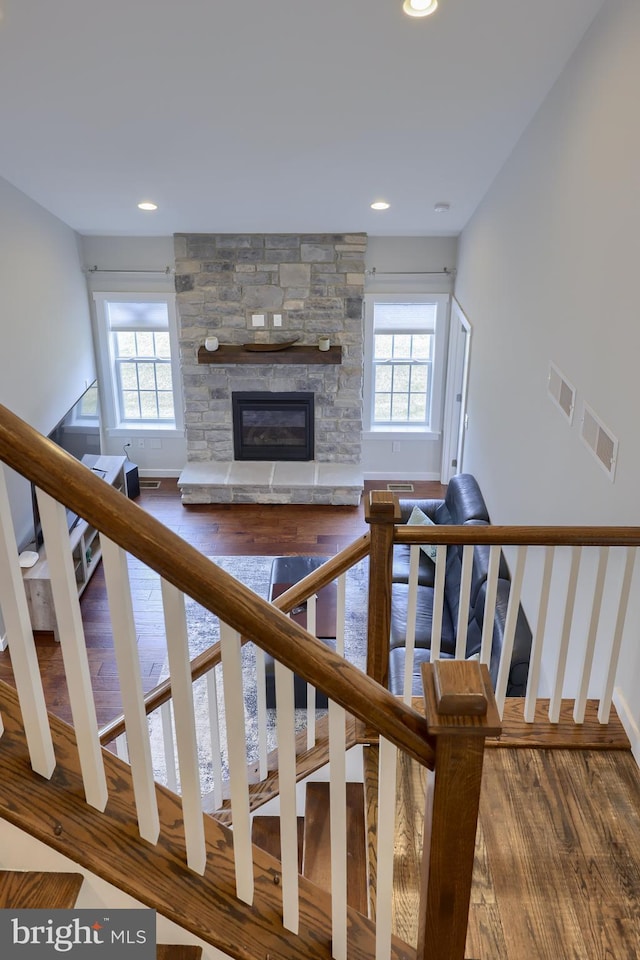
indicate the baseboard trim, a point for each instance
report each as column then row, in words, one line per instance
column 391, row 475
column 156, row 473
column 630, row 726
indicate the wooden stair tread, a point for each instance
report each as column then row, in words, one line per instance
column 265, row 833
column 33, row 889
column 178, row 951
column 55, row 812
column 317, row 843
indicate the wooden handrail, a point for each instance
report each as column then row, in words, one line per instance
column 543, row 536
column 212, row 656
column 65, row 479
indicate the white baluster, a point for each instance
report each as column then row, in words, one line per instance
column 214, row 728
column 510, row 628
column 341, row 616
column 490, row 603
column 261, row 695
column 338, row 830
column 237, row 749
column 438, row 601
column 74, row 654
column 463, row 602
column 555, row 702
column 285, row 727
column 311, row 690
column 116, row 574
column 412, row 607
column 24, row 659
column 386, row 831
column 580, row 705
column 121, row 747
column 169, row 744
column 533, row 678
column 184, row 717
column 625, row 589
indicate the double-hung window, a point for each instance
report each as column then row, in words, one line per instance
column 136, row 333
column 405, row 361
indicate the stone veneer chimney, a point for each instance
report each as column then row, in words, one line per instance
column 316, row 283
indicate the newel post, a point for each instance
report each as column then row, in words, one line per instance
column 381, row 512
column 461, row 712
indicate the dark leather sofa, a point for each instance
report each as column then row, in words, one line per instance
column 463, row 504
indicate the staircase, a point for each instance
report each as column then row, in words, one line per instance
column 111, row 819
column 35, row 890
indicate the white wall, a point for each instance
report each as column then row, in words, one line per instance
column 547, row 271
column 47, row 358
column 404, row 265
column 136, row 265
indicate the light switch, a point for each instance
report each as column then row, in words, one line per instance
column 257, row 319
column 277, row 319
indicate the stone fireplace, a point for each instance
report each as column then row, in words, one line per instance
column 301, row 287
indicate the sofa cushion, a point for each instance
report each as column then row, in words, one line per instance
column 402, row 562
column 522, row 641
column 424, row 619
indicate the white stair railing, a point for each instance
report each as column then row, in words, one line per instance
column 575, row 598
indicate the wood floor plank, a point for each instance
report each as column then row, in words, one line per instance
column 557, row 864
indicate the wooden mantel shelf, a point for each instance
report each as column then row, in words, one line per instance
column 231, row 353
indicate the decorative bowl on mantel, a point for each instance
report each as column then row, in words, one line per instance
column 270, row 347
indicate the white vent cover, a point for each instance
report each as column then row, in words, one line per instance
column 600, row 440
column 561, row 392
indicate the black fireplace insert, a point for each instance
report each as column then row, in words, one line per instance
column 273, row 426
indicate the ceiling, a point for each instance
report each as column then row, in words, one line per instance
column 271, row 115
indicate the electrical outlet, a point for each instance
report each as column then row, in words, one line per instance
column 277, row 319
column 257, row 319
column 395, row 446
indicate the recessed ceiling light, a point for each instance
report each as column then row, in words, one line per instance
column 442, row 207
column 147, row 205
column 380, row 205
column 419, row 8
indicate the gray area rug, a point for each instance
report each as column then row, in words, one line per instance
column 203, row 629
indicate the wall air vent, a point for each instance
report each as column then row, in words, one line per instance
column 600, row 441
column 561, row 392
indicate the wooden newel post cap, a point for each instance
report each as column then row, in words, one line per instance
column 459, row 698
column 382, row 507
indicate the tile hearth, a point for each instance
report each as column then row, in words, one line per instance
column 267, row 481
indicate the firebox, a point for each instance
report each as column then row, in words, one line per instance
column 272, row 426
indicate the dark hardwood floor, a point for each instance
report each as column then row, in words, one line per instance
column 216, row 530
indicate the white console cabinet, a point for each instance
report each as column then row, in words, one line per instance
column 84, row 544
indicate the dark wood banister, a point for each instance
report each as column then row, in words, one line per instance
column 286, row 602
column 536, row 536
column 126, row 524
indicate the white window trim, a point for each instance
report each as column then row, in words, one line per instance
column 384, row 431
column 113, row 426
